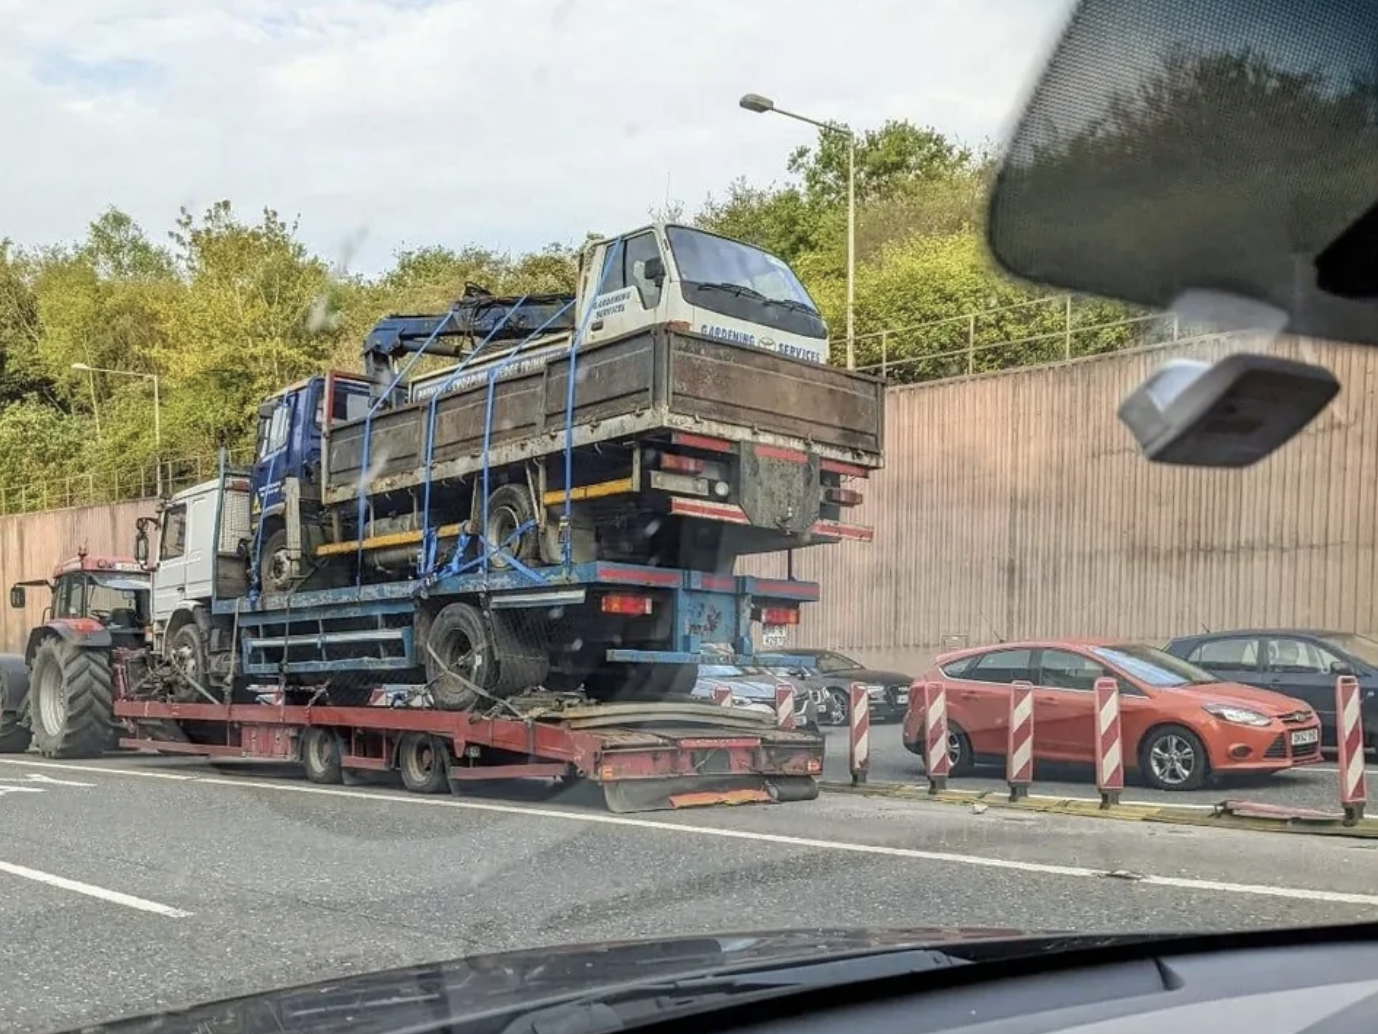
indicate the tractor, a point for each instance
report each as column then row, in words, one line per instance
column 59, row 694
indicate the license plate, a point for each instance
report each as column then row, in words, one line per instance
column 1302, row 737
column 773, row 637
column 902, row 697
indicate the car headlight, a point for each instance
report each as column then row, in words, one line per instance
column 1237, row 715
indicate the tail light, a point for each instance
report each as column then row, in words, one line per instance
column 621, row 603
column 681, row 464
column 777, row 615
column 842, row 496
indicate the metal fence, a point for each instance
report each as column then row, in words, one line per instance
column 1045, row 330
column 116, row 485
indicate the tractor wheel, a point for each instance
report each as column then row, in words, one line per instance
column 71, row 701
column 14, row 737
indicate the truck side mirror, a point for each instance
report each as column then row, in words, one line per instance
column 267, row 409
column 141, row 547
column 17, row 596
column 654, row 270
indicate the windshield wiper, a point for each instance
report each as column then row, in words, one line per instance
column 796, row 306
column 740, row 290
column 621, row 1008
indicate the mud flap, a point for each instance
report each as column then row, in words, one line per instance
column 632, row 795
column 784, row 494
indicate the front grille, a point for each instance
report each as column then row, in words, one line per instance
column 1276, row 749
column 1306, row 750
column 1297, row 718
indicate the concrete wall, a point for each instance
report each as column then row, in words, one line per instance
column 1016, row 504
column 32, row 544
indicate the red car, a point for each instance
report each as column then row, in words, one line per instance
column 1179, row 723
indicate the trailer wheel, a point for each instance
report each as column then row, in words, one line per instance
column 71, row 701
column 424, row 763
column 322, row 756
column 460, row 661
column 509, row 507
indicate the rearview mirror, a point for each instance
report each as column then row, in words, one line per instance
column 654, row 270
column 267, row 409
column 1233, row 151
column 141, row 548
column 17, row 596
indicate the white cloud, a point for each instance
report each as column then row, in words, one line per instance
column 453, row 121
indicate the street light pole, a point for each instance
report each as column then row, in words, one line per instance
column 754, row 102
column 157, row 411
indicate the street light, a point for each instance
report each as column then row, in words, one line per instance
column 754, row 102
column 157, row 410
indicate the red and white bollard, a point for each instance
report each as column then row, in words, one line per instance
column 1109, row 743
column 937, row 762
column 1349, row 738
column 1019, row 753
column 859, row 743
column 784, row 706
column 722, row 696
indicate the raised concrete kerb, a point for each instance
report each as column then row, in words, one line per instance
column 1219, row 816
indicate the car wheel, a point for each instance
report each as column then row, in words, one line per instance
column 1172, row 757
column 838, row 704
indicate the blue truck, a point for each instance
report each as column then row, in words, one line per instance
column 548, row 524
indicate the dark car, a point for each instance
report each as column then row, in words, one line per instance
column 888, row 691
column 1301, row 663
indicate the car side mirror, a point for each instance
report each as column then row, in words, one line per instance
column 1341, row 668
column 17, row 596
column 654, row 270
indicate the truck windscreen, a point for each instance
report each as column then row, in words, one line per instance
column 738, row 280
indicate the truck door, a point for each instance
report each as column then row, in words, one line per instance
column 170, row 577
column 633, row 282
column 271, row 460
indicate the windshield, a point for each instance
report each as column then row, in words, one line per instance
column 1362, row 647
column 477, row 670
column 1153, row 667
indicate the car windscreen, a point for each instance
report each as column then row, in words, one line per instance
column 1153, row 667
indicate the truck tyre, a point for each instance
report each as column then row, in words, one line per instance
column 509, row 507
column 322, row 756
column 187, row 650
column 423, row 761
column 273, row 572
column 461, row 662
column 71, row 701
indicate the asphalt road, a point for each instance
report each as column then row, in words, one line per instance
column 136, row 884
column 1312, row 786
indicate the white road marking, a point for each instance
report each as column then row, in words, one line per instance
column 68, row 766
column 20, row 789
column 786, row 840
column 38, row 777
column 92, row 891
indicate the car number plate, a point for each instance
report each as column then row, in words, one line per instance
column 1302, row 737
column 773, row 636
column 902, row 696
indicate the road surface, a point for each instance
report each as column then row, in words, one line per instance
column 136, row 884
column 1312, row 786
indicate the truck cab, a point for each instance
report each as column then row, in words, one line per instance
column 700, row 282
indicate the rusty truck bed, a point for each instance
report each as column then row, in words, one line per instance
column 626, row 388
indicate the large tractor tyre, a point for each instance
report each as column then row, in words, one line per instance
column 619, row 681
column 71, row 701
column 461, row 658
column 14, row 736
column 510, row 507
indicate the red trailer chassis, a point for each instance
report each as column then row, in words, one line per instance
column 643, row 756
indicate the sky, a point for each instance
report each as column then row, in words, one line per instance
column 387, row 124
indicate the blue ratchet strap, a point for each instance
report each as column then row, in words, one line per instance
column 429, row 542
column 574, row 343
column 368, row 440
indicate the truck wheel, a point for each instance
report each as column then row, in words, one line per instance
column 71, row 701
column 461, row 662
column 509, row 507
column 14, row 738
column 423, row 762
column 274, row 573
column 187, row 651
column 321, row 755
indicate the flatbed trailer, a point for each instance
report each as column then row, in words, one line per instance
column 664, row 755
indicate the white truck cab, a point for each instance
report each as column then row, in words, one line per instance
column 667, row 273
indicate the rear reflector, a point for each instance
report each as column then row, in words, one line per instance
column 681, row 464
column 624, row 604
